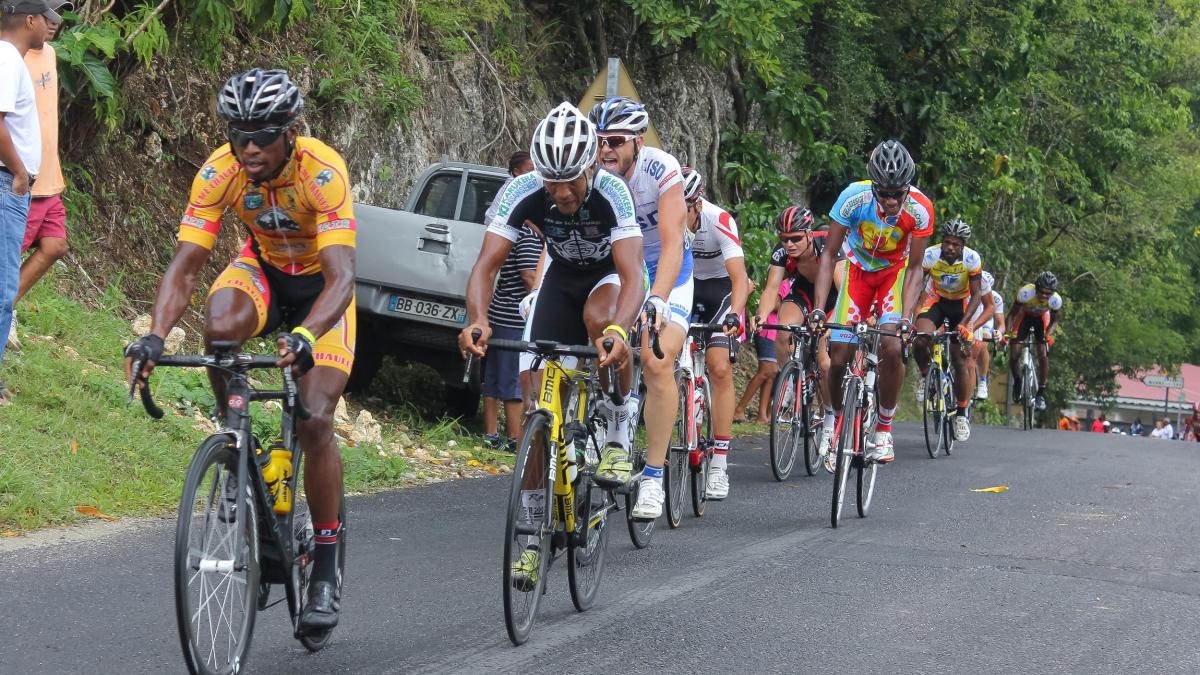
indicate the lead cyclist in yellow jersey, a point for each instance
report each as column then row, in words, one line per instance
column 295, row 271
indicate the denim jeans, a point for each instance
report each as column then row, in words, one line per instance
column 14, row 213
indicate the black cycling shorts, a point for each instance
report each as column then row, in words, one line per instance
column 1035, row 323
column 558, row 312
column 943, row 309
column 711, row 301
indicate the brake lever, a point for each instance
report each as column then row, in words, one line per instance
column 471, row 358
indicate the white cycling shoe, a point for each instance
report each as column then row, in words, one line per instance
column 981, row 390
column 883, row 449
column 717, row 487
column 650, row 500
column 826, row 450
column 961, row 427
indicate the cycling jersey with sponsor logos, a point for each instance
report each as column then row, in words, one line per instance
column 716, row 241
column 582, row 240
column 875, row 242
column 1028, row 297
column 952, row 280
column 654, row 173
column 780, row 258
column 291, row 217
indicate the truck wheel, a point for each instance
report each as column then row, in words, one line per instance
column 462, row 402
column 368, row 356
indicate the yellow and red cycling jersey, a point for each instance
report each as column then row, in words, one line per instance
column 951, row 280
column 1032, row 304
column 303, row 210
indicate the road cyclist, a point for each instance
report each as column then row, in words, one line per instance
column 1035, row 312
column 988, row 333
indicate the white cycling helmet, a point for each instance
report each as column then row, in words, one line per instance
column 564, row 144
column 693, row 184
column 988, row 281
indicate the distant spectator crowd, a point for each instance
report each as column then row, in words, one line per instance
column 1188, row 430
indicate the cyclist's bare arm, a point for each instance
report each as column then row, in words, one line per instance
column 833, row 244
column 1053, row 322
column 174, row 294
column 976, row 285
column 1015, row 314
column 914, row 278
column 671, row 211
column 989, row 308
column 479, row 292
column 1000, row 324
column 741, row 285
column 337, row 265
column 769, row 300
column 627, row 256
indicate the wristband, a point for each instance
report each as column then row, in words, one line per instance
column 618, row 330
column 305, row 333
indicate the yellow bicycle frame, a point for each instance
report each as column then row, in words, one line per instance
column 554, row 378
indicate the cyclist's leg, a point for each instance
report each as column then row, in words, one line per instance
column 720, row 379
column 928, row 320
column 983, row 359
column 240, row 305
column 662, row 394
column 1014, row 356
column 853, row 298
column 1043, row 356
column 889, row 288
column 954, row 310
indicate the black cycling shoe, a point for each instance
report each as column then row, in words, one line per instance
column 320, row 613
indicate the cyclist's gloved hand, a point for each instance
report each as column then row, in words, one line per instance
column 527, row 303
column 966, row 333
column 148, row 350
column 299, row 348
column 906, row 325
column 1049, row 341
column 733, row 324
column 816, row 318
column 661, row 309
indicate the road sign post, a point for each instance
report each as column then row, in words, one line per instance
column 1166, row 382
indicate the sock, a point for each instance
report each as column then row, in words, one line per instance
column 983, row 380
column 1041, row 391
column 631, row 411
column 653, row 473
column 962, row 408
column 533, row 502
column 618, row 419
column 830, row 418
column 720, row 451
column 325, row 558
column 885, row 419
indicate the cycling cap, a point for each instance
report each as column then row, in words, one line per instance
column 267, row 96
column 794, row 220
column 620, row 114
column 890, row 166
column 1046, row 280
column 956, row 228
column 564, row 144
column 693, row 184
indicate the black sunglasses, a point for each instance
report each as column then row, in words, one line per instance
column 615, row 142
column 261, row 137
column 891, row 194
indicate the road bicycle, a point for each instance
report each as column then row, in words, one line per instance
column 567, row 512
column 938, row 388
column 691, row 449
column 1028, row 377
column 856, row 424
column 235, row 534
column 797, row 409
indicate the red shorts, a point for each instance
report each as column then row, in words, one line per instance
column 865, row 293
column 47, row 218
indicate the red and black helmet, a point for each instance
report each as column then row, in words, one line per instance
column 794, row 220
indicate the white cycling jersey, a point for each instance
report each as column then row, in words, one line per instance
column 715, row 242
column 654, row 173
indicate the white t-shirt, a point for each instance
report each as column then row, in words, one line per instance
column 654, row 173
column 19, row 107
column 716, row 241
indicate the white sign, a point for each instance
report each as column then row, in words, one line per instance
column 1163, row 381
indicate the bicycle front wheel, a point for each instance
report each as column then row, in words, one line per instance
column 527, row 532
column 849, row 427
column 949, row 402
column 677, row 468
column 216, row 562
column 784, row 422
column 866, row 469
column 933, row 410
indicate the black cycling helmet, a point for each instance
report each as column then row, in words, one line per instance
column 1046, row 280
column 265, row 96
column 793, row 220
column 620, row 114
column 890, row 166
column 956, row 228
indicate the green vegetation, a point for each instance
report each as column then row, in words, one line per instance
column 71, row 444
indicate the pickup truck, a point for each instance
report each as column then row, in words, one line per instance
column 412, row 274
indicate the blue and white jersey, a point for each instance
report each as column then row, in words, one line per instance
column 655, row 173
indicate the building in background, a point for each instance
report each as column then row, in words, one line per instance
column 1140, row 398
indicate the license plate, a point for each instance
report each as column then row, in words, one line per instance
column 427, row 308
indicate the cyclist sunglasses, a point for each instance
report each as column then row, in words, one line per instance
column 261, row 137
column 615, row 142
column 891, row 194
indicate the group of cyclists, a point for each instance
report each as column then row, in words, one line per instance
column 631, row 244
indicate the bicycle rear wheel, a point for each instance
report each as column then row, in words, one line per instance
column 640, row 531
column 933, row 413
column 676, row 479
column 866, row 469
column 704, row 432
column 949, row 402
column 216, row 562
column 812, row 416
column 784, row 425
column 844, row 446
column 586, row 562
column 1028, row 390
column 522, row 595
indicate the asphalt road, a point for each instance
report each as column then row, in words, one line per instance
column 1089, row 563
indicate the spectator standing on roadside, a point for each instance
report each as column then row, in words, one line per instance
column 46, row 226
column 22, row 27
column 1098, row 424
column 1135, row 429
column 501, row 369
column 1191, row 425
column 763, row 380
column 1168, row 430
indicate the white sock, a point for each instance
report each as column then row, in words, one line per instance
column 830, row 418
column 618, row 420
column 533, row 503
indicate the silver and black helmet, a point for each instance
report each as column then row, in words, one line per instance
column 264, row 96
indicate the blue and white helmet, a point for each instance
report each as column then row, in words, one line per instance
column 564, row 144
column 620, row 114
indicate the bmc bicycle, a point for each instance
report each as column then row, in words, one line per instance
column 236, row 534
column 937, row 387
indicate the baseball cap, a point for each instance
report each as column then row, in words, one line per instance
column 47, row 8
